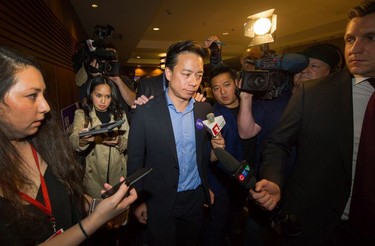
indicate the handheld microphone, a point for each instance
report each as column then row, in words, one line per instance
column 284, row 223
column 241, row 171
column 214, row 124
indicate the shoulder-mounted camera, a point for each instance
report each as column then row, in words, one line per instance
column 272, row 75
column 98, row 49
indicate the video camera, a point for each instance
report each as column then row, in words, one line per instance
column 272, row 74
column 90, row 49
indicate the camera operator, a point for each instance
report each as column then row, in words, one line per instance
column 95, row 57
column 257, row 118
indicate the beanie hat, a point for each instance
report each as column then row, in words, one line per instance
column 327, row 53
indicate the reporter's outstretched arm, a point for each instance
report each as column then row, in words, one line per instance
column 127, row 94
column 267, row 194
column 106, row 210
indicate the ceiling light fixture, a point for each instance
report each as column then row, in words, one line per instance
column 261, row 27
column 162, row 62
column 94, row 5
column 156, row 29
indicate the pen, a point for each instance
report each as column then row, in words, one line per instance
column 217, row 42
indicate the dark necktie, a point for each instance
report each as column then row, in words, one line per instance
column 362, row 207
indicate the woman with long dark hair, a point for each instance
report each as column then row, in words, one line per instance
column 105, row 160
column 41, row 192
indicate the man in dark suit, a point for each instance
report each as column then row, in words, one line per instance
column 319, row 120
column 167, row 135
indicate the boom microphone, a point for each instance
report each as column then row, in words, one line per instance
column 292, row 62
column 284, row 223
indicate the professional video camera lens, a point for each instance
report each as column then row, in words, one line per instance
column 110, row 68
column 256, row 82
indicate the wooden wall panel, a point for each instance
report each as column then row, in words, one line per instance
column 32, row 27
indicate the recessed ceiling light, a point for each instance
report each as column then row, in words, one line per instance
column 94, row 5
column 225, row 33
column 138, row 57
column 156, row 29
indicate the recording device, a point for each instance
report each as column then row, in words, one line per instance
column 129, row 181
column 96, row 49
column 102, row 32
column 214, row 124
column 273, row 74
column 103, row 128
column 284, row 223
column 240, row 171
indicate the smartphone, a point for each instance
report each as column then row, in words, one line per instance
column 128, row 181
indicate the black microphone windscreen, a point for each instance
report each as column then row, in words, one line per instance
column 229, row 163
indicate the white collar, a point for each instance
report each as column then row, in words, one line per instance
column 359, row 79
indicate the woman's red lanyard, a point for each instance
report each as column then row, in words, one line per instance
column 46, row 208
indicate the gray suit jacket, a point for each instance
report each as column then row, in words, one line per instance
column 319, row 119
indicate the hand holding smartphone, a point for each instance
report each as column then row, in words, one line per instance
column 128, row 181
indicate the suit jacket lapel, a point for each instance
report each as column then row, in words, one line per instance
column 165, row 122
column 199, row 114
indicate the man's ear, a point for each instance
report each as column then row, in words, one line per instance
column 168, row 73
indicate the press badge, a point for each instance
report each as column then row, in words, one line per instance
column 56, row 233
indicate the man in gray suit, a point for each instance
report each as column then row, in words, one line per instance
column 167, row 135
column 319, row 120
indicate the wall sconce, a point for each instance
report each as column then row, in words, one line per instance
column 261, row 27
column 162, row 62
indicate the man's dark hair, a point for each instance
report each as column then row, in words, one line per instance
column 187, row 46
column 217, row 70
column 365, row 8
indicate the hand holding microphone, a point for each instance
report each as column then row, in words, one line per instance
column 240, row 171
column 214, row 125
column 265, row 192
